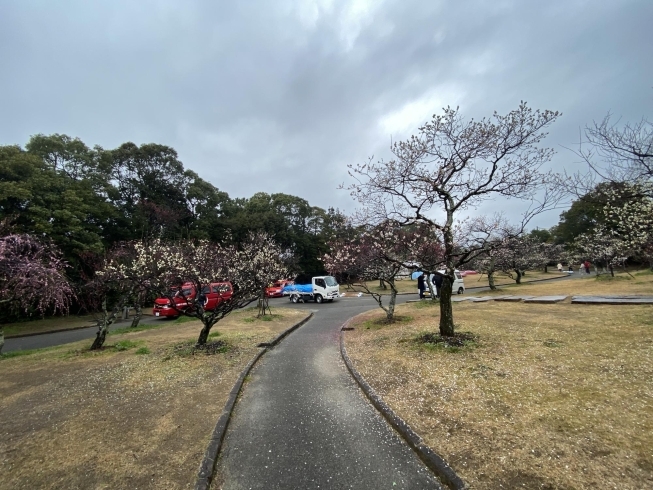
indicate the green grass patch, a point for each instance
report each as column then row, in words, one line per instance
column 185, row 319
column 26, row 352
column 126, row 345
column 426, row 303
column 264, row 318
column 142, row 350
column 213, row 335
column 606, row 277
column 139, row 328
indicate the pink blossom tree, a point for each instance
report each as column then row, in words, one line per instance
column 32, row 277
column 381, row 253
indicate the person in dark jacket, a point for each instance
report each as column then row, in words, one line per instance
column 421, row 286
column 437, row 280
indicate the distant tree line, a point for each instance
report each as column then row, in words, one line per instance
column 84, row 201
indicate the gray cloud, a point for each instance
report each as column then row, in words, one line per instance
column 281, row 96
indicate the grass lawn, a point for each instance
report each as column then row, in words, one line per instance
column 137, row 414
column 547, row 396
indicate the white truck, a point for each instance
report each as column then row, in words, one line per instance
column 319, row 289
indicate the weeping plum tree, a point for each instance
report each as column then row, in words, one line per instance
column 452, row 166
column 32, row 278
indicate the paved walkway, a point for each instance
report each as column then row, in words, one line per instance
column 302, row 422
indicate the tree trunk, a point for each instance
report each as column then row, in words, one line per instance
column 390, row 312
column 138, row 313
column 490, row 275
column 518, row 278
column 2, row 339
column 446, row 309
column 107, row 321
column 382, row 284
column 263, row 305
column 546, row 268
column 611, row 269
column 204, row 333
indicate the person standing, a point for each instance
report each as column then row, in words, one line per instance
column 437, row 280
column 559, row 267
column 587, row 266
column 421, row 286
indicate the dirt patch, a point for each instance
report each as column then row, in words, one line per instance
column 550, row 396
column 76, row 419
column 459, row 339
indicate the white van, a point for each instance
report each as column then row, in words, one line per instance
column 458, row 283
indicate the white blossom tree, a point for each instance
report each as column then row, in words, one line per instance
column 156, row 266
column 603, row 247
column 452, row 166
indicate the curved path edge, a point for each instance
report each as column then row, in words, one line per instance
column 430, row 458
column 207, row 467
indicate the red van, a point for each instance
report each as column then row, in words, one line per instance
column 211, row 296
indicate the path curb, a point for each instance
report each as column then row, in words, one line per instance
column 430, row 458
column 207, row 467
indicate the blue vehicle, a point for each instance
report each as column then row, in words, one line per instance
column 319, row 289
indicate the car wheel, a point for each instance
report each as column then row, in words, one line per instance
column 294, row 298
column 318, row 298
column 461, row 290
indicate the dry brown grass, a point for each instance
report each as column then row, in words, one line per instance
column 553, row 396
column 476, row 280
column 74, row 419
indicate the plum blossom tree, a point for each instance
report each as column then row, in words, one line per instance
column 250, row 268
column 517, row 254
column 452, row 166
column 131, row 271
column 603, row 247
column 629, row 215
column 32, row 277
column 381, row 253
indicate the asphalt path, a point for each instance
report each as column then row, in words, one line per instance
column 302, row 422
column 58, row 338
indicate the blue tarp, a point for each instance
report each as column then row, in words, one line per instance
column 298, row 288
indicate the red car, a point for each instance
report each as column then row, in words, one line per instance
column 274, row 291
column 212, row 295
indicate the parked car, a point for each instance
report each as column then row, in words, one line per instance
column 210, row 296
column 275, row 291
column 216, row 293
column 180, row 296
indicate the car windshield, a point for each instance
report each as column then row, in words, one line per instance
column 330, row 281
column 222, row 288
column 186, row 292
column 276, row 285
column 206, row 290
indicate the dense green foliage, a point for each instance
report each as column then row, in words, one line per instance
column 85, row 200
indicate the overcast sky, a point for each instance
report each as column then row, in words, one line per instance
column 280, row 96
